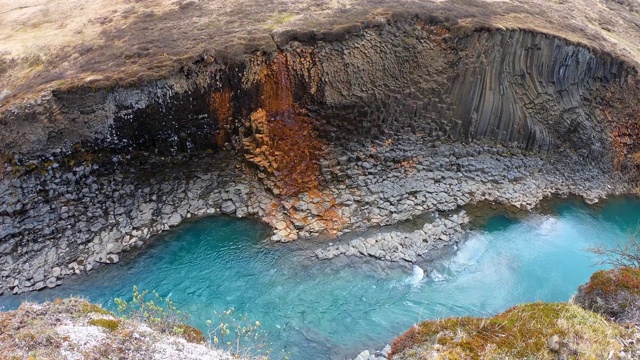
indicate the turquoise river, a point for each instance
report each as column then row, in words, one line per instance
column 315, row 309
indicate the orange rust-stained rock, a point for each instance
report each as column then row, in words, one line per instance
column 281, row 138
column 333, row 221
column 327, row 212
column 277, row 95
column 320, row 215
column 284, row 142
column 620, row 110
column 286, row 148
column 220, row 105
column 437, row 32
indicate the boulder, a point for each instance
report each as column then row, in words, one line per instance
column 554, row 343
column 173, row 220
column 227, row 207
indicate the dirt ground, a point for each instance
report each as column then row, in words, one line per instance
column 68, row 43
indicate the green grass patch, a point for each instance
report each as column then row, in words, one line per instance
column 280, row 19
column 109, row 324
column 88, row 308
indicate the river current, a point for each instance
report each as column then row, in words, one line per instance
column 334, row 309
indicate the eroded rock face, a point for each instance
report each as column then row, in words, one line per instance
column 509, row 86
column 321, row 138
column 534, row 90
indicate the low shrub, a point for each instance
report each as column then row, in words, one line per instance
column 228, row 331
column 159, row 313
column 237, row 334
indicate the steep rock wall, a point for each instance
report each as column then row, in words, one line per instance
column 532, row 89
column 508, row 86
column 352, row 126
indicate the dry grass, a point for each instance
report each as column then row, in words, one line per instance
column 519, row 333
column 75, row 328
column 67, row 44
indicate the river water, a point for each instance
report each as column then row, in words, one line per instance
column 333, row 309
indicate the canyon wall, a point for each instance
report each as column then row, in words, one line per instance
column 316, row 137
column 509, row 86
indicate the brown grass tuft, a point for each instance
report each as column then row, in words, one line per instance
column 72, row 44
column 519, row 333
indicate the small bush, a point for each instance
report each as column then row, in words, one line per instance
column 159, row 313
column 237, row 334
column 626, row 254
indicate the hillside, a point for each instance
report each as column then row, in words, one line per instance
column 49, row 45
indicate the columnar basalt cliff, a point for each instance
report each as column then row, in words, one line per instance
column 510, row 86
column 324, row 134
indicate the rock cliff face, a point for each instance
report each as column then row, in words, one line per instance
column 509, row 86
column 534, row 90
column 316, row 137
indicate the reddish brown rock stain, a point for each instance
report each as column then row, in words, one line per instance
column 221, row 107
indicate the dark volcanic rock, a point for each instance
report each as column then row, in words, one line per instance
column 391, row 120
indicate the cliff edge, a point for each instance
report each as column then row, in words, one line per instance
column 73, row 328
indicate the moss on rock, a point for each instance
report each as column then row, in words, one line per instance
column 190, row 334
column 87, row 308
column 613, row 293
column 521, row 332
column 109, row 324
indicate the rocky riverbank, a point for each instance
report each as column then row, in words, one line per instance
column 59, row 219
column 402, row 246
column 431, row 177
